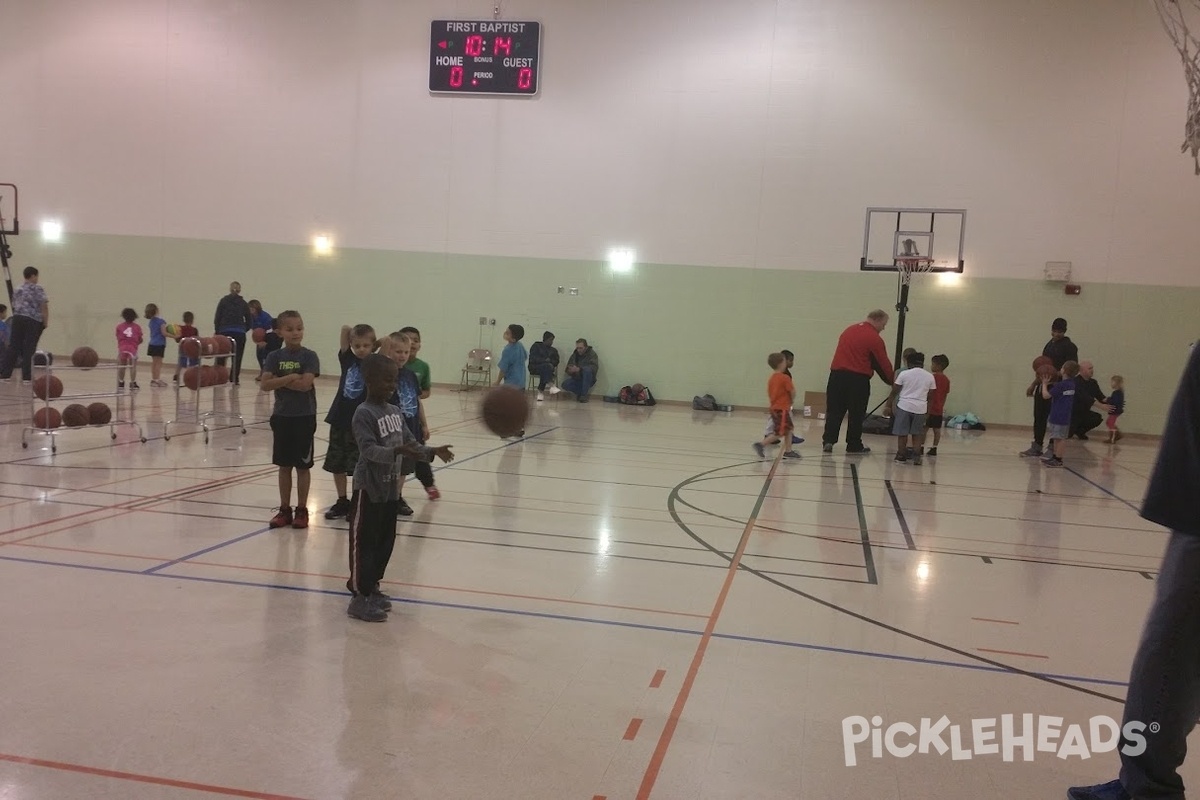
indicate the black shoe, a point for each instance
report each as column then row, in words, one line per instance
column 583, row 398
column 932, row 451
column 1082, row 437
column 827, row 448
column 901, row 458
column 403, row 509
column 338, row 510
column 861, row 450
column 362, row 608
column 380, row 601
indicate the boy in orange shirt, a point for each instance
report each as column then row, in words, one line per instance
column 782, row 394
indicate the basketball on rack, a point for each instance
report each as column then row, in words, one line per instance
column 1040, row 360
column 208, row 375
column 84, row 357
column 43, row 359
column 99, row 413
column 259, row 335
column 190, row 347
column 221, row 375
column 208, row 345
column 76, row 416
column 191, row 378
column 46, row 418
column 505, row 410
column 222, row 345
column 47, row 386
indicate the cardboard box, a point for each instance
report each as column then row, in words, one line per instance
column 814, row 404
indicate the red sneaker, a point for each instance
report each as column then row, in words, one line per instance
column 281, row 519
column 432, row 492
column 301, row 520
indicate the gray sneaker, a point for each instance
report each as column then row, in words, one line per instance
column 1032, row 452
column 791, row 455
column 917, row 460
column 758, row 450
column 827, row 448
column 381, row 601
column 362, row 608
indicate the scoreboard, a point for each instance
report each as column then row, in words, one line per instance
column 484, row 57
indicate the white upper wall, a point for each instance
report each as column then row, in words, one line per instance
column 750, row 133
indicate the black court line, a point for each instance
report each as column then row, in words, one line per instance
column 1108, row 492
column 868, row 557
column 900, row 516
column 975, row 657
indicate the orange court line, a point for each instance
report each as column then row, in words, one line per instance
column 668, row 732
column 657, row 680
column 631, row 732
column 997, row 621
column 151, row 779
column 1011, row 653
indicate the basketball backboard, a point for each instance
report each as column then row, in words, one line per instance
column 8, row 209
column 893, row 233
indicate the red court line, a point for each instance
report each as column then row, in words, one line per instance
column 151, row 779
column 657, row 680
column 668, row 733
column 1011, row 653
column 599, row 797
column 631, row 732
column 997, row 621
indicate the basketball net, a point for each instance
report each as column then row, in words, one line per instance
column 1174, row 15
column 911, row 262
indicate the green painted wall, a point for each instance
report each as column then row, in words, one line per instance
column 683, row 330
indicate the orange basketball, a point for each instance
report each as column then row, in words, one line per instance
column 76, row 416
column 99, row 413
column 190, row 347
column 208, row 346
column 221, row 375
column 47, row 384
column 208, row 375
column 47, row 418
column 505, row 410
column 223, row 345
column 1040, row 360
column 191, row 378
column 84, row 357
column 259, row 334
column 1046, row 372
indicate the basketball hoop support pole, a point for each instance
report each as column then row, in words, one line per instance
column 901, row 315
column 5, row 251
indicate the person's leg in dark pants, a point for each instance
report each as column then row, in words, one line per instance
column 387, row 542
column 372, row 537
column 424, row 473
column 545, row 375
column 859, row 396
column 1041, row 413
column 239, row 342
column 835, row 408
column 23, row 343
column 1082, row 423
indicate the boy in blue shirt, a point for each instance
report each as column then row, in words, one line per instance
column 1058, row 425
column 512, row 362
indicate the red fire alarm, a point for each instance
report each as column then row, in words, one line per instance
column 1073, row 288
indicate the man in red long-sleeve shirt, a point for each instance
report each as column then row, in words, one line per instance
column 860, row 353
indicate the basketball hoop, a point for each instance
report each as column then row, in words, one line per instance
column 908, row 266
column 1174, row 17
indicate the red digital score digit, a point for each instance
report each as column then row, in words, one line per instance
column 475, row 45
column 502, row 44
column 456, row 77
column 525, row 78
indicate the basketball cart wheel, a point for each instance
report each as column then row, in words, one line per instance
column 243, row 431
column 166, row 438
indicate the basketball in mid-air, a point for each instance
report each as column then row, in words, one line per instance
column 505, row 410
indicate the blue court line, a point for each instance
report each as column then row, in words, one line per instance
column 206, row 550
column 1113, row 495
column 244, row 536
column 341, row 593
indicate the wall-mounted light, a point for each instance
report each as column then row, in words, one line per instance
column 52, row 230
column 322, row 244
column 621, row 259
column 949, row 278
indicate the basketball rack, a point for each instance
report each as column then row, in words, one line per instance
column 42, row 364
column 188, row 413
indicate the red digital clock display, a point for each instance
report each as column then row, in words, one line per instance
column 484, row 57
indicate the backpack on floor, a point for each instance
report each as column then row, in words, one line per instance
column 877, row 425
column 704, row 403
column 636, row 395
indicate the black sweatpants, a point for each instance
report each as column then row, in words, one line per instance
column 1041, row 413
column 372, row 537
column 1084, row 421
column 846, row 393
column 22, row 343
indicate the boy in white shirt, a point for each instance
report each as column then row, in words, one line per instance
column 913, row 387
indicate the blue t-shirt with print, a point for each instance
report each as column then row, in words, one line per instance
column 512, row 364
column 352, row 391
column 1062, row 399
column 408, row 399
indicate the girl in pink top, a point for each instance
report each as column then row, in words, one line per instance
column 129, row 336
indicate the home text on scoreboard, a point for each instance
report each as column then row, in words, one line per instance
column 484, row 57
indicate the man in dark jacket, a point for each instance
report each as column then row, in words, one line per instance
column 233, row 318
column 582, row 367
column 1060, row 349
column 543, row 362
column 1164, row 687
column 1087, row 396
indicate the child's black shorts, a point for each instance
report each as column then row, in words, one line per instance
column 935, row 422
column 156, row 350
column 293, row 441
column 342, row 456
